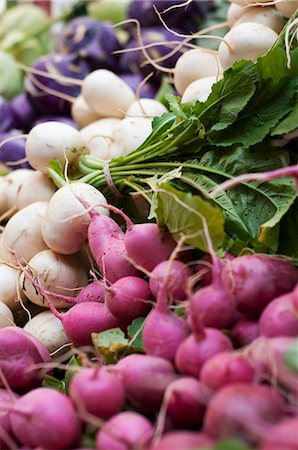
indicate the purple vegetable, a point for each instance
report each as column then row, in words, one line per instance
column 186, row 18
column 13, row 151
column 8, row 118
column 133, row 80
column 55, row 63
column 91, row 40
column 135, row 60
column 244, row 332
column 175, row 273
column 24, row 111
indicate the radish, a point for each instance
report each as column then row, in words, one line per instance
column 56, row 273
column 106, row 93
column 22, row 233
column 145, row 379
column 197, row 348
column 175, row 274
column 247, row 40
column 45, row 418
column 97, row 137
column 185, row 401
column 97, row 391
column 43, row 190
column 282, row 435
column 146, row 107
column 287, row 8
column 81, row 112
column 280, row 317
column 93, row 292
column 243, row 411
column 9, row 188
column 65, row 224
column 129, row 134
column 266, row 16
column 128, row 298
column 19, row 352
column 234, row 13
column 244, row 332
column 226, row 368
column 48, row 330
column 255, row 280
column 6, row 316
column 125, row 431
column 7, row 399
column 193, row 65
column 53, row 140
column 163, row 331
column 199, row 89
column 9, row 277
column 183, row 440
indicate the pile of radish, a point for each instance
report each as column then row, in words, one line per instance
column 114, row 335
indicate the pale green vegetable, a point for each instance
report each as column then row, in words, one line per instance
column 11, row 79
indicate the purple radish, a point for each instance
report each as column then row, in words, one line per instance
column 163, row 331
column 45, row 418
column 197, row 348
column 244, row 332
column 226, row 368
column 184, row 440
column 128, row 298
column 176, row 272
column 280, row 317
column 125, row 431
column 185, row 401
column 97, row 391
column 19, row 354
column 145, row 379
column 255, row 280
column 243, row 411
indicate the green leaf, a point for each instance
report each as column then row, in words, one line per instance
column 71, row 369
column 233, row 444
column 289, row 123
column 181, row 213
column 54, row 383
column 291, row 357
column 165, row 89
column 134, row 332
column 11, row 79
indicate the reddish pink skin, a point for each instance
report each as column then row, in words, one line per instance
column 125, row 431
column 100, row 231
column 163, row 332
column 5, row 429
column 194, row 351
column 50, row 420
column 129, row 298
column 280, row 317
column 98, row 391
column 245, row 332
column 243, row 411
column 188, row 398
column 18, row 353
column 175, row 273
column 255, row 280
column 226, row 368
column 145, row 379
column 148, row 245
column 184, row 440
column 283, row 435
column 213, row 306
column 206, row 277
column 85, row 318
column 93, row 292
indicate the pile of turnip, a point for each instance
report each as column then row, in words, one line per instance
column 115, row 335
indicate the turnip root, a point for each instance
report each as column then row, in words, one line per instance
column 97, row 137
column 81, row 113
column 9, row 188
column 97, row 391
column 6, row 316
column 243, row 411
column 145, row 379
column 93, row 292
column 23, row 233
column 6, row 401
column 255, row 280
column 247, row 40
column 45, row 418
column 47, row 329
column 53, row 140
column 125, row 431
column 287, row 8
column 244, row 332
column 234, row 13
column 175, row 274
column 57, row 273
column 265, row 16
column 128, row 298
column 9, row 277
column 64, row 227
column 280, row 317
column 193, row 65
column 146, row 107
column 106, row 93
column 199, row 89
column 282, row 435
column 183, row 440
column 130, row 133
column 34, row 188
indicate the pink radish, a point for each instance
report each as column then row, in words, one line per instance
column 244, row 332
column 176, row 274
column 183, row 440
column 283, row 435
